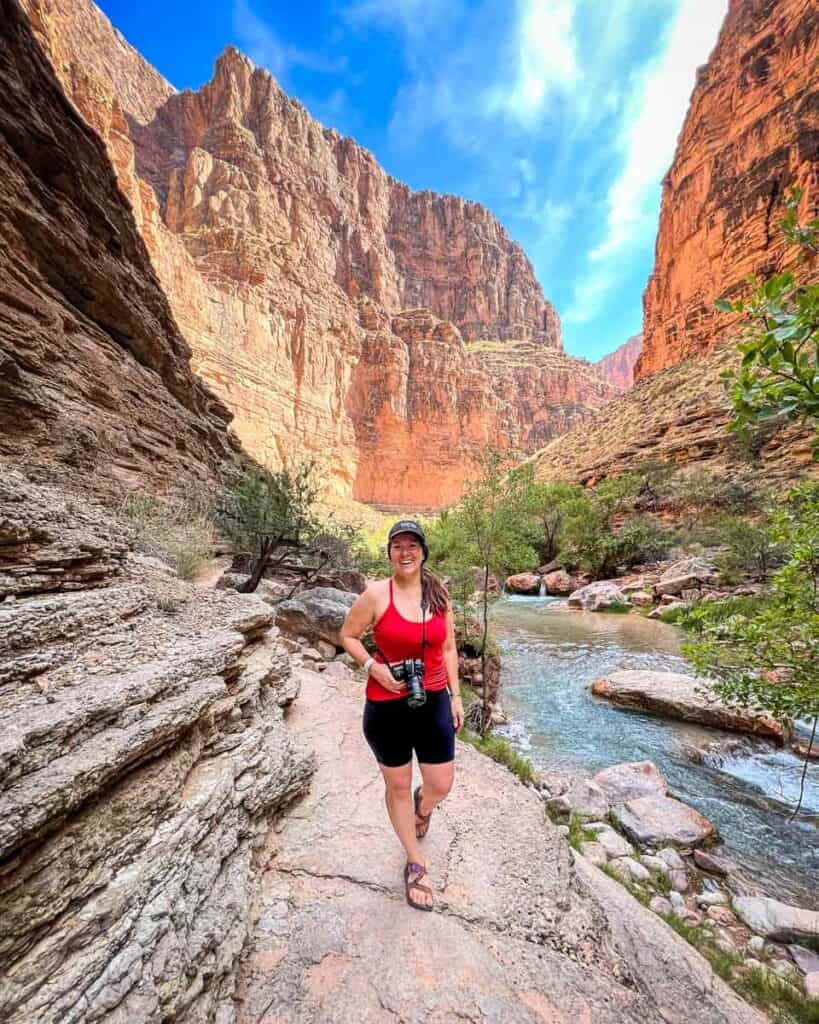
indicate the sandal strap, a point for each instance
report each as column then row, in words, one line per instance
column 423, row 817
column 419, row 870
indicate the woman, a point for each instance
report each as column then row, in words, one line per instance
column 412, row 618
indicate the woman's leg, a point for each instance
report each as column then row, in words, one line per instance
column 437, row 782
column 434, row 743
column 398, row 797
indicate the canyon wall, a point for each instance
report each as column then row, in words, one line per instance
column 287, row 253
column 618, row 366
column 95, row 376
column 751, row 132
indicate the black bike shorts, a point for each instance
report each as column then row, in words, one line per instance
column 394, row 729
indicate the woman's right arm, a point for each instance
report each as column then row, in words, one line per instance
column 359, row 617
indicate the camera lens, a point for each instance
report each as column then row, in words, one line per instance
column 416, row 694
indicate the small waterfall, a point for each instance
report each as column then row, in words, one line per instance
column 542, row 591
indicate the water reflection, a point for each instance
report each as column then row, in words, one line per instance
column 745, row 786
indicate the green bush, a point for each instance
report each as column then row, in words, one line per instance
column 178, row 531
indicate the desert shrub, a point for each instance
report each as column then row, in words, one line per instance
column 175, row 529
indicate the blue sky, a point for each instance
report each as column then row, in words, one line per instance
column 559, row 115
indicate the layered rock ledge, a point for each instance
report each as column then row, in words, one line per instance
column 686, row 698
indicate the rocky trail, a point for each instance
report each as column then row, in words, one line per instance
column 523, row 931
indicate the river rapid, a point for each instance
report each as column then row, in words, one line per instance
column 746, row 787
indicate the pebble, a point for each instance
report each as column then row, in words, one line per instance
column 671, row 858
column 563, row 829
column 711, row 899
column 756, row 944
column 679, row 880
column 660, row 905
column 656, row 864
column 722, row 915
column 676, row 899
column 752, row 962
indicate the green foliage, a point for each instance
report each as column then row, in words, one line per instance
column 501, row 751
column 178, row 531
column 749, row 548
column 763, row 654
column 578, row 834
column 779, row 375
column 270, row 516
column 543, row 506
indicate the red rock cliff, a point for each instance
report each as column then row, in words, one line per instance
column 283, row 247
column 752, row 131
column 618, row 366
column 95, row 377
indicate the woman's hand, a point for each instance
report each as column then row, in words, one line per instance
column 381, row 674
column 457, row 711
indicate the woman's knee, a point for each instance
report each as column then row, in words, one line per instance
column 398, row 781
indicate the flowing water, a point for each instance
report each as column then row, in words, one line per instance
column 746, row 787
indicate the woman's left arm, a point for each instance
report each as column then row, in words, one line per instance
column 451, row 662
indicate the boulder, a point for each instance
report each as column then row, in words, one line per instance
column 656, row 864
column 523, row 583
column 811, row 983
column 711, row 863
column 636, row 870
column 630, row 780
column 805, row 959
column 651, row 820
column 662, row 611
column 671, row 858
column 598, row 597
column 683, row 697
column 641, row 598
column 613, row 843
column 699, row 569
column 339, row 579
column 316, row 614
column 586, row 799
column 775, row 920
column 544, row 570
column 594, row 853
column 559, row 582
column 660, row 905
column 679, row 880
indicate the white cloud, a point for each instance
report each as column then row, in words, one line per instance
column 545, row 58
column 653, row 121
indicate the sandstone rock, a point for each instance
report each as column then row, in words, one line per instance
column 641, row 598
column 676, row 899
column 651, row 820
column 523, row 583
column 722, row 915
column 710, row 862
column 711, row 899
column 682, row 697
column 618, row 366
column 775, row 920
column 679, row 880
column 656, row 864
column 96, row 385
column 586, row 799
column 316, row 614
column 334, row 310
column 719, row 216
column 811, row 984
column 660, row 905
column 613, row 843
column 594, row 853
column 559, row 582
column 623, row 782
column 634, row 868
column 756, row 944
column 670, row 605
column 598, row 597
column 807, row 960
column 671, row 858
column 325, row 649
column 678, row 417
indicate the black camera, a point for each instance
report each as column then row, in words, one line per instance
column 411, row 671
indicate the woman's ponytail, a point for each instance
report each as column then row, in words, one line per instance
column 434, row 591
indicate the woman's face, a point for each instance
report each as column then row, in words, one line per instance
column 406, row 554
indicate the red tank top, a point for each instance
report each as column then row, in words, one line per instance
column 398, row 638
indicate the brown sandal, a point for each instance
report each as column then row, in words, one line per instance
column 422, row 829
column 419, row 870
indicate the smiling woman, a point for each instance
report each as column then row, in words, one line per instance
column 413, row 699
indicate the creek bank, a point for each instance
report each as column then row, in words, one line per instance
column 664, row 869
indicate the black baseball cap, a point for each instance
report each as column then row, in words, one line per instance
column 408, row 526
